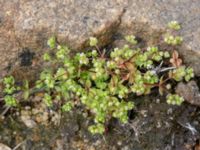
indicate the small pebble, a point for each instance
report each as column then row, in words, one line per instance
column 144, row 113
column 125, row 148
column 157, row 101
column 28, row 122
column 158, row 125
column 119, row 143
column 169, row 111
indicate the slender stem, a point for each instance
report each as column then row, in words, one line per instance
column 18, row 145
column 150, row 84
column 166, row 69
column 166, row 80
column 129, row 59
column 98, row 50
column 5, row 111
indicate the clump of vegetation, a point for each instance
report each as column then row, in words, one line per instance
column 101, row 82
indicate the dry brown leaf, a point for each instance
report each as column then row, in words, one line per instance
column 175, row 60
column 197, row 147
column 131, row 69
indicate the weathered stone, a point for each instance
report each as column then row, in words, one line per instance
column 28, row 24
column 27, row 120
column 190, row 92
column 71, row 21
column 8, row 44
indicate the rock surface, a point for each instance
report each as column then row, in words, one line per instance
column 190, row 92
column 28, row 24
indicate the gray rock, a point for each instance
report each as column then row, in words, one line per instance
column 190, row 92
column 26, row 23
column 8, row 44
column 28, row 122
column 72, row 21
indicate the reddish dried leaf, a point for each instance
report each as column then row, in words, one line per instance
column 131, row 69
column 175, row 60
column 197, row 147
column 126, row 77
column 161, row 88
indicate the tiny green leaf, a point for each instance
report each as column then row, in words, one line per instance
column 52, row 42
column 93, row 41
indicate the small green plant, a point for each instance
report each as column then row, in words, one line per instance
column 101, row 82
column 9, row 89
column 174, row 25
column 173, row 39
column 131, row 39
column 174, row 99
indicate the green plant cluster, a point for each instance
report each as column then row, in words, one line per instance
column 173, row 39
column 9, row 89
column 174, row 99
column 181, row 73
column 174, row 25
column 101, row 82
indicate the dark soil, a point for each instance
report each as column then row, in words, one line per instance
column 154, row 125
